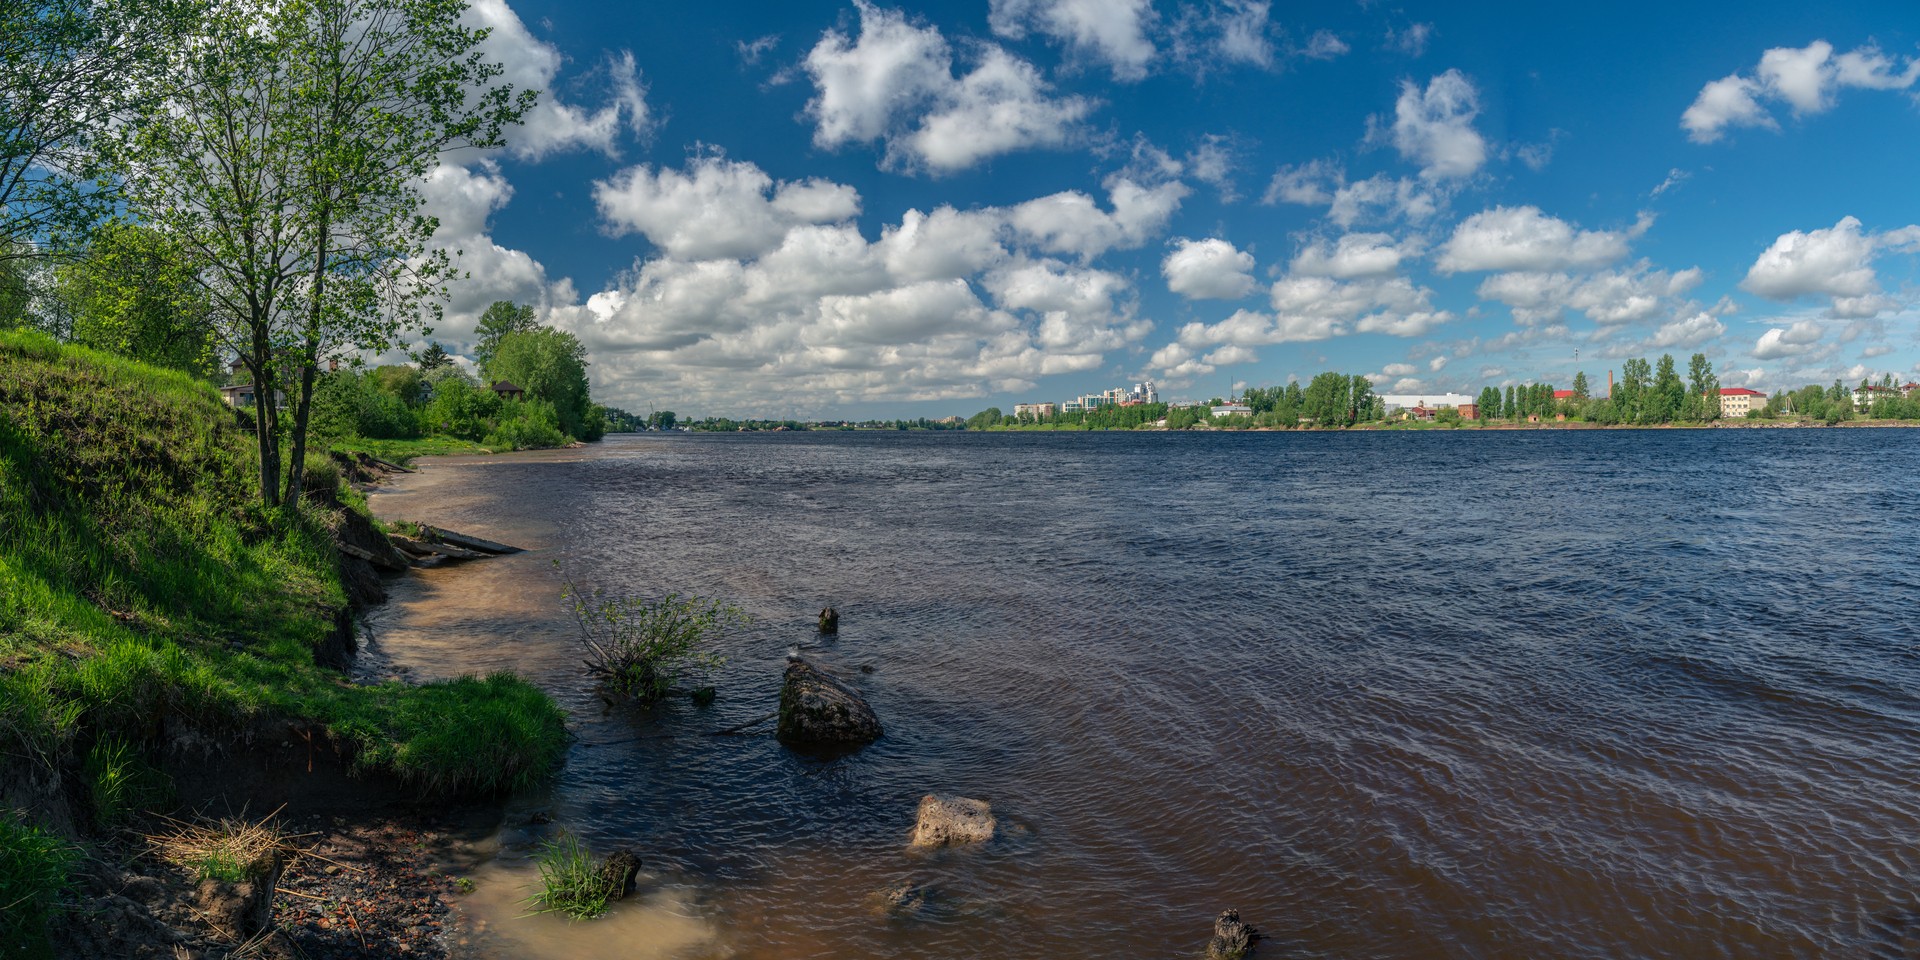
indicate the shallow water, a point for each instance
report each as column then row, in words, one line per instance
column 1397, row 695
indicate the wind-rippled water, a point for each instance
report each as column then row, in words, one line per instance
column 1393, row 695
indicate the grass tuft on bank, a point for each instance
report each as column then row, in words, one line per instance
column 145, row 592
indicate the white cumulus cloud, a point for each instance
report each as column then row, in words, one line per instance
column 1524, row 238
column 554, row 125
column 717, row 207
column 1113, row 32
column 1808, row 79
column 894, row 83
column 1071, row 222
column 1836, row 261
column 1354, row 255
column 1208, row 269
column 1434, row 127
column 1787, row 341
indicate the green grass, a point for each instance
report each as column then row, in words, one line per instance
column 402, row 452
column 34, row 870
column 570, row 882
column 144, row 589
column 120, row 782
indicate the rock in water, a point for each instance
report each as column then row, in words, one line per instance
column 1232, row 940
column 819, row 710
column 947, row 820
column 618, row 872
column 829, row 620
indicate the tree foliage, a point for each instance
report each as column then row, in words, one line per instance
column 286, row 148
column 550, row 365
column 68, row 72
column 502, row 317
column 133, row 292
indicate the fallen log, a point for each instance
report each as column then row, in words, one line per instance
column 384, row 563
column 471, row 543
column 422, row 548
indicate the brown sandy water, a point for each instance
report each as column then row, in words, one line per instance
column 1532, row 695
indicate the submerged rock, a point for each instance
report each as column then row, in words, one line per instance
column 1232, row 940
column 905, row 901
column 951, row 820
column 829, row 620
column 618, row 871
column 820, row 710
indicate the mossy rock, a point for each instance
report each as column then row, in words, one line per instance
column 819, row 710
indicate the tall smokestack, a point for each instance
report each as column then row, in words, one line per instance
column 1609, row 384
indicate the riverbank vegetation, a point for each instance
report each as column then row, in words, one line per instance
column 148, row 599
column 1644, row 394
column 640, row 649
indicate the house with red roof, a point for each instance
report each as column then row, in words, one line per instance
column 1737, row 401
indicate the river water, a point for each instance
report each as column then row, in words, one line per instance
column 1529, row 694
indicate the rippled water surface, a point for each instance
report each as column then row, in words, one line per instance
column 1398, row 695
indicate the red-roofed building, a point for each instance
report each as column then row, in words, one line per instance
column 1865, row 395
column 1737, row 401
column 1563, row 394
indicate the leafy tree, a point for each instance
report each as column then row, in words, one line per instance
column 1489, row 403
column 16, row 292
column 501, row 318
column 1703, row 390
column 1183, row 418
column 68, row 70
column 1580, row 387
column 286, row 145
column 984, row 419
column 1669, row 392
column 404, row 383
column 432, row 357
column 134, row 293
column 1636, row 378
column 662, row 420
column 1338, row 400
column 550, row 365
column 1511, row 409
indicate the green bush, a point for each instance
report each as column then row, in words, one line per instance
column 526, row 425
column 641, row 648
column 348, row 404
column 460, row 408
column 34, row 871
column 570, row 882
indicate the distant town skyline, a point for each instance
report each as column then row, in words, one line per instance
column 919, row 209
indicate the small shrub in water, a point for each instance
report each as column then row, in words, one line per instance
column 570, row 883
column 641, row 648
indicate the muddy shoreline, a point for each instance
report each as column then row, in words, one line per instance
column 367, row 869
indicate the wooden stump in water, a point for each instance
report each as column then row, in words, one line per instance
column 1232, row 940
column 618, row 872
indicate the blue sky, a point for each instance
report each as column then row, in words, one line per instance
column 858, row 209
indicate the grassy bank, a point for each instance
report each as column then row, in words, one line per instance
column 402, row 452
column 146, row 597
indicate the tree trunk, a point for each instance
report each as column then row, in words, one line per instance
column 310, row 353
column 266, row 420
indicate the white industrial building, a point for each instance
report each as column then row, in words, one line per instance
column 1407, row 401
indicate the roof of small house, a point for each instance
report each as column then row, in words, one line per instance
column 1563, row 394
column 506, row 386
